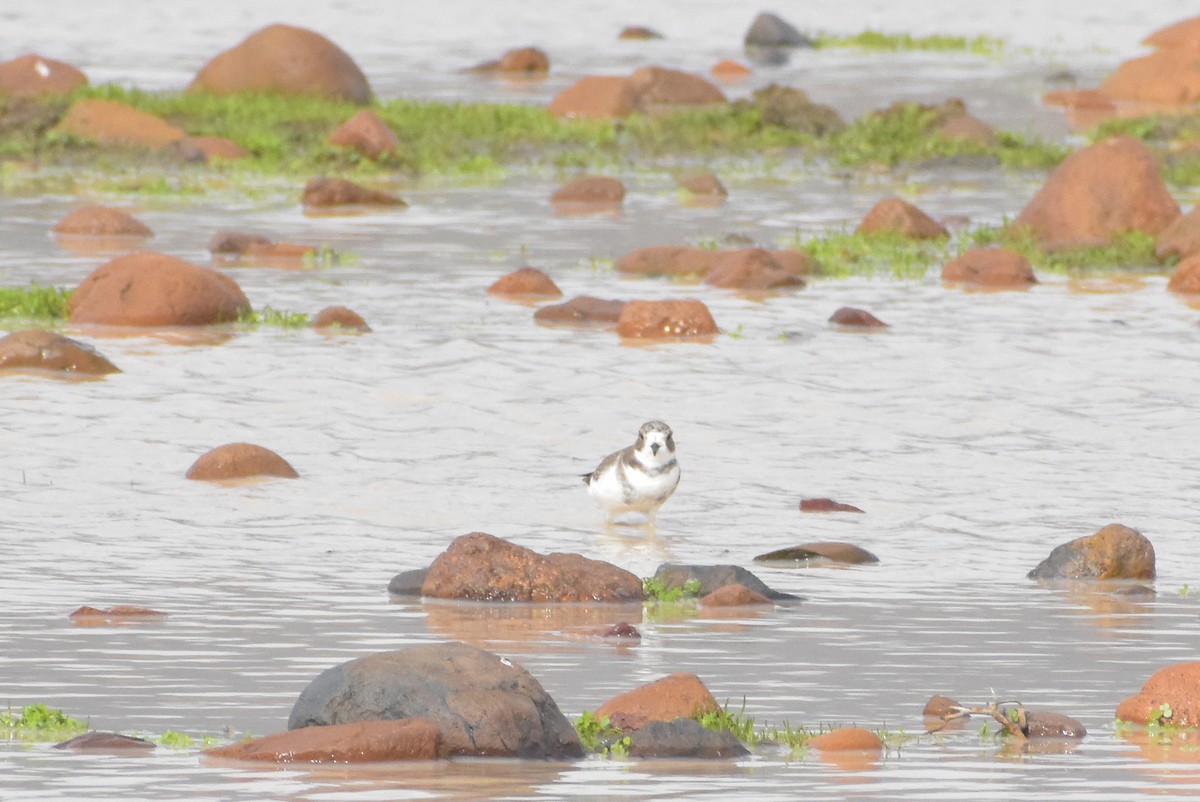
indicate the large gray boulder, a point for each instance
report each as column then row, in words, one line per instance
column 771, row 30
column 483, row 704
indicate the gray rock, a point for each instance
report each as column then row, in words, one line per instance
column 711, row 577
column 771, row 30
column 483, row 704
column 408, row 583
column 683, row 737
column 97, row 741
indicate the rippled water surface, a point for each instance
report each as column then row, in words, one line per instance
column 977, row 432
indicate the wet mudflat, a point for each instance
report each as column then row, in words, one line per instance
column 977, row 432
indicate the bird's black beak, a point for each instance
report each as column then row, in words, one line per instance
column 654, row 447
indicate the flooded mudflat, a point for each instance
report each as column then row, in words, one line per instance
column 977, row 432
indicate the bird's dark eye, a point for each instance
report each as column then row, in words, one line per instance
column 671, row 442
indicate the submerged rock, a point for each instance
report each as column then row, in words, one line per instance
column 854, row 318
column 32, row 74
column 1114, row 552
column 525, row 282
column 148, row 288
column 240, row 461
column 993, row 266
column 481, row 567
column 845, row 553
column 1045, row 724
column 408, row 583
column 791, row 108
column 590, row 190
column 825, row 505
column 95, row 220
column 286, row 59
column 712, row 577
column 846, row 739
column 674, row 696
column 98, row 741
column 733, row 595
column 117, row 614
column 666, row 319
column 355, row 742
column 1186, row 278
column 704, row 184
column 684, row 738
column 729, row 71
column 1170, row 696
column 341, row 317
column 1181, row 238
column 519, row 61
column 47, row 351
column 1108, row 188
column 482, row 704
column 659, row 86
column 668, row 260
column 582, row 310
column 900, row 217
column 366, row 133
column 751, row 269
column 595, row 97
column 326, row 192
column 639, row 32
column 772, row 30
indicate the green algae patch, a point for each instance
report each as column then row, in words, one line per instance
column 884, row 254
column 989, row 46
column 277, row 318
column 37, row 722
column 1130, row 252
column 34, row 304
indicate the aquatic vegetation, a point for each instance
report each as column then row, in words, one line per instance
column 842, row 254
column 37, row 722
column 35, row 303
column 1132, row 251
column 981, row 45
column 597, row 735
column 655, row 590
column 741, row 725
column 268, row 316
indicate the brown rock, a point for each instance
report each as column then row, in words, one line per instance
column 798, row 263
column 148, row 288
column 526, row 282
column 236, row 242
column 900, row 216
column 846, row 739
column 522, row 61
column 825, row 505
column 582, row 310
column 325, row 192
column 843, row 553
column 704, row 184
column 1114, row 552
column 282, row 58
column 96, row 741
column 204, row 149
column 1177, row 686
column 968, row 128
column 340, row 316
column 481, row 567
column 356, row 742
column 1047, row 724
column 659, row 86
column 638, row 32
column 940, row 707
column 102, row 221
column 859, row 318
column 621, row 629
column 788, row 107
column 117, row 614
column 1181, row 238
column 734, row 595
column 668, row 260
column 666, row 319
column 32, row 74
column 366, row 133
column 751, row 269
column 240, row 461
column 990, row 267
column 678, row 695
column 1108, row 188
column 729, row 71
column 1170, row 77
column 1091, row 99
column 595, row 97
column 1186, row 278
column 590, row 189
column 1184, row 34
column 112, row 123
column 47, row 351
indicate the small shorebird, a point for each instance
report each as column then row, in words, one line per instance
column 638, row 478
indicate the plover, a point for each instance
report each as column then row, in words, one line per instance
column 638, row 478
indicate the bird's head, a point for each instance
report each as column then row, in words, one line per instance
column 655, row 443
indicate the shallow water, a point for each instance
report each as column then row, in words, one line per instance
column 978, row 432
